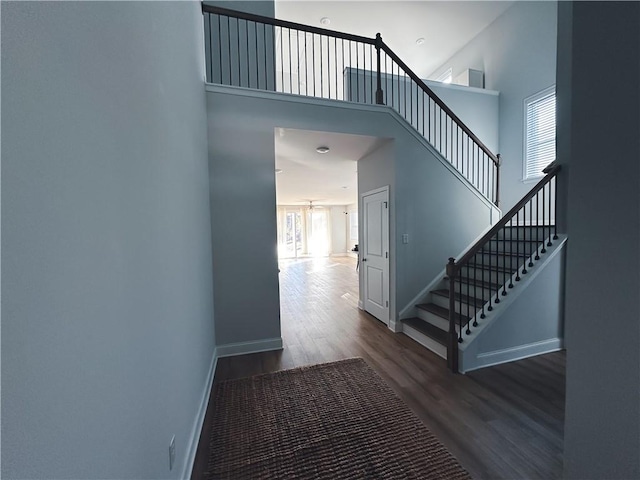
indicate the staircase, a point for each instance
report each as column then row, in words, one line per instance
column 261, row 53
column 473, row 288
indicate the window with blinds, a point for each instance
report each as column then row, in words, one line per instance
column 540, row 132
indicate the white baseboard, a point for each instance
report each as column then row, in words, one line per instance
column 199, row 421
column 395, row 326
column 243, row 348
column 512, row 354
column 360, row 304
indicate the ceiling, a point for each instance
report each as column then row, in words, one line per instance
column 446, row 27
column 324, row 179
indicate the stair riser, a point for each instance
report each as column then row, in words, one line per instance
column 525, row 233
column 444, row 303
column 526, row 248
column 479, row 291
column 500, row 246
column 436, row 320
column 499, row 260
column 491, row 276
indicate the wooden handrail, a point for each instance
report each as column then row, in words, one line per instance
column 454, row 267
column 439, row 102
column 284, row 23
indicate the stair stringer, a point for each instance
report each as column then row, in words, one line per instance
column 439, row 281
column 527, row 322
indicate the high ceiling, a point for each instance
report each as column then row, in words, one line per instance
column 445, row 26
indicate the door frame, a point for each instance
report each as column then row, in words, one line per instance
column 362, row 249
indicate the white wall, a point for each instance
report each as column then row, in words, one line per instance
column 599, row 142
column 107, row 328
column 517, row 54
column 339, row 229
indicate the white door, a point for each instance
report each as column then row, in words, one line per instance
column 374, row 256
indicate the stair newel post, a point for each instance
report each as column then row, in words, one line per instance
column 452, row 344
column 379, row 94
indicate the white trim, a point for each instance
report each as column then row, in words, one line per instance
column 360, row 305
column 243, row 348
column 384, row 189
column 288, row 97
column 395, row 325
column 196, row 430
column 515, row 353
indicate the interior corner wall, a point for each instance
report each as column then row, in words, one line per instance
column 602, row 428
column 107, row 327
column 517, row 54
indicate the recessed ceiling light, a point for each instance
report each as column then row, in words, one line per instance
column 420, row 41
column 322, row 149
column 278, row 170
column 325, row 20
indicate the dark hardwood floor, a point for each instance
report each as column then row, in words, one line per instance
column 503, row 422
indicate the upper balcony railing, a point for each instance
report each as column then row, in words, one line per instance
column 264, row 53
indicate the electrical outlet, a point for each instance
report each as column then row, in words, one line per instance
column 172, row 452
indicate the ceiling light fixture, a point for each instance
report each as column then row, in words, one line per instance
column 420, row 41
column 325, row 20
column 322, row 150
column 278, row 170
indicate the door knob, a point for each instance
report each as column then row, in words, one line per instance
column 364, row 259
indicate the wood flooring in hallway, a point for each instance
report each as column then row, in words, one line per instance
column 503, row 422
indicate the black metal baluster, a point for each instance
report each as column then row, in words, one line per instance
column 524, row 243
column 239, row 61
column 497, row 240
column 328, row 67
column 544, row 224
column 211, row 46
column 504, row 249
column 468, row 319
column 313, row 62
column 246, row 27
column 306, row 67
column 549, row 240
column 255, row 28
column 372, row 94
column 537, row 257
column 321, row 72
column 264, row 39
column 511, row 252
column 555, row 207
column 524, row 234
column 335, row 63
column 298, row 60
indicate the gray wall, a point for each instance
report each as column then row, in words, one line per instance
column 602, row 436
column 107, row 329
column 522, row 325
column 517, row 54
column 241, row 132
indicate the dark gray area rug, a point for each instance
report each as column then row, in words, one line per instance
column 336, row 420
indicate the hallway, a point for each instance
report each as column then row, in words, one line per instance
column 502, row 422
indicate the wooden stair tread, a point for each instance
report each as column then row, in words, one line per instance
column 440, row 311
column 494, row 268
column 459, row 297
column 427, row 329
column 503, row 254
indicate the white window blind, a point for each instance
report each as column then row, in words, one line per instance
column 540, row 132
